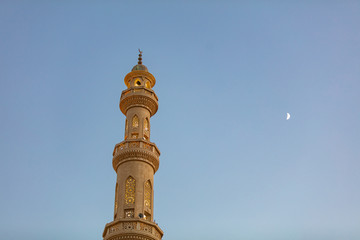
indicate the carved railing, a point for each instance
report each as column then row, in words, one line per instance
column 139, row 96
column 138, row 90
column 132, row 227
column 140, row 150
column 127, row 144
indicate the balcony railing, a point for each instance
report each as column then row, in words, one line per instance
column 134, row 226
column 127, row 144
column 138, row 90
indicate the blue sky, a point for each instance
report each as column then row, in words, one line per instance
column 227, row 73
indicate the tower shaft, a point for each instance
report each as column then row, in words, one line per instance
column 135, row 161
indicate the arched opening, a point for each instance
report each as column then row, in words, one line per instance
column 137, row 82
column 146, row 124
column 147, row 194
column 116, row 201
column 130, row 185
column 135, row 121
column 126, row 128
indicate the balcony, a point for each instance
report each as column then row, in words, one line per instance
column 138, row 90
column 139, row 97
column 132, row 227
column 136, row 149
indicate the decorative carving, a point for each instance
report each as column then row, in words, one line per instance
column 114, row 228
column 135, row 154
column 147, row 146
column 116, row 204
column 129, row 213
column 134, row 135
column 145, row 227
column 147, row 194
column 127, row 237
column 146, row 124
column 133, row 229
column 135, row 121
column 130, row 190
column 134, row 145
column 143, row 90
column 129, row 225
column 157, row 234
column 133, row 74
column 133, row 100
column 126, row 128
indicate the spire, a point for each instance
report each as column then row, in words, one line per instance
column 140, row 66
column 140, row 55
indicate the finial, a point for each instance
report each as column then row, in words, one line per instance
column 140, row 55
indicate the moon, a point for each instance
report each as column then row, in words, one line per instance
column 287, row 116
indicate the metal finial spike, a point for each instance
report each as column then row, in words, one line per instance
column 140, row 59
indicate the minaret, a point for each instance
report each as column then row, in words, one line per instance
column 135, row 161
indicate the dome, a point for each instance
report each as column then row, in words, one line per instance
column 139, row 67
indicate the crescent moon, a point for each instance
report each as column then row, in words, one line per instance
column 287, row 116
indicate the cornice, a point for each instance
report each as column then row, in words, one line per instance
column 136, row 150
column 136, row 155
column 137, row 100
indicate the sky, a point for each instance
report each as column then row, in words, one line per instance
column 231, row 166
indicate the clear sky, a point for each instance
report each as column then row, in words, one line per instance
column 227, row 73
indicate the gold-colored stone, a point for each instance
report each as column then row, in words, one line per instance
column 129, row 213
column 130, row 190
column 126, row 128
column 135, row 121
column 131, row 75
column 147, row 194
column 135, row 161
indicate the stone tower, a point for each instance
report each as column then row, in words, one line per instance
column 135, row 161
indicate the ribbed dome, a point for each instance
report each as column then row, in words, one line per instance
column 140, row 67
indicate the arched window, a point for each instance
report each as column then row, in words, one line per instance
column 147, row 84
column 129, row 213
column 130, row 185
column 135, row 121
column 146, row 124
column 147, row 194
column 137, row 82
column 126, row 128
column 116, row 204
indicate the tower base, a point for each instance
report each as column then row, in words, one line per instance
column 131, row 229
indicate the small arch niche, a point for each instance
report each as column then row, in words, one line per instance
column 137, row 82
column 126, row 128
column 146, row 124
column 135, row 121
column 129, row 213
column 147, row 216
column 147, row 84
column 116, row 201
column 147, row 194
column 130, row 185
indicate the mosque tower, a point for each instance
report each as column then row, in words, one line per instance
column 135, row 161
